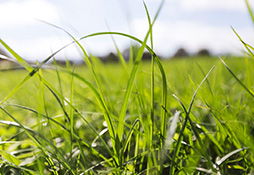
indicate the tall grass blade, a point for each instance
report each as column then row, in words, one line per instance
column 207, row 81
column 151, row 122
column 245, row 44
column 72, row 110
column 128, row 138
column 120, row 56
column 187, row 117
column 32, row 71
column 151, row 119
column 237, row 79
column 20, row 60
column 132, row 76
column 60, row 100
column 250, row 10
column 120, row 129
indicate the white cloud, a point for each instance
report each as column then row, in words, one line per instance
column 37, row 42
column 24, row 12
column 169, row 36
column 40, row 48
column 236, row 5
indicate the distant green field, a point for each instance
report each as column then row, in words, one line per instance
column 62, row 127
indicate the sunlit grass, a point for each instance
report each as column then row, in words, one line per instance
column 182, row 116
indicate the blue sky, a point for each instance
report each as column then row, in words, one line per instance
column 192, row 24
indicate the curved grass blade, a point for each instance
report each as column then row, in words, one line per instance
column 20, row 60
column 60, row 101
column 128, row 138
column 32, row 71
column 223, row 159
column 245, row 44
column 187, row 117
column 239, row 81
column 120, row 56
column 103, row 102
column 207, row 81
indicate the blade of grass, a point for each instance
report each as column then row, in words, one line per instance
column 207, row 81
column 239, row 81
column 32, row 71
column 104, row 106
column 127, row 139
column 60, row 100
column 245, row 44
column 72, row 111
column 187, row 118
column 223, row 159
column 132, row 76
column 20, row 60
column 151, row 119
column 120, row 129
column 120, row 56
column 250, row 10
column 135, row 124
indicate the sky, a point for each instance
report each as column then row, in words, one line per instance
column 190, row 24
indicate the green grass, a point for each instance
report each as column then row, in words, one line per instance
column 219, row 122
column 181, row 116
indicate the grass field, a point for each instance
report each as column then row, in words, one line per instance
column 43, row 134
column 181, row 116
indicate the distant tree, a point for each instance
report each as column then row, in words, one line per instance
column 111, row 57
column 203, row 52
column 127, row 52
column 181, row 52
column 145, row 57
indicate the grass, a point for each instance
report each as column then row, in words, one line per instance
column 182, row 116
column 216, row 124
